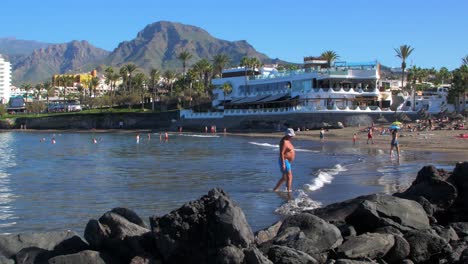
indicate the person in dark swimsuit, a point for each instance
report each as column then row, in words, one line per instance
column 394, row 144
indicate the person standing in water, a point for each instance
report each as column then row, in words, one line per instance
column 322, row 134
column 138, row 138
column 394, row 144
column 286, row 157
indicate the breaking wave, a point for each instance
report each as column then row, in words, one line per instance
column 324, row 176
column 295, row 206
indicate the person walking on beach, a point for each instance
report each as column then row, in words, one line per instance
column 286, row 157
column 322, row 134
column 394, row 144
column 138, row 138
column 370, row 135
column 354, row 138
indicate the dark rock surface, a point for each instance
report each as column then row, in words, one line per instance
column 200, row 230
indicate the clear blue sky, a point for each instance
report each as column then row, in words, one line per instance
column 357, row 30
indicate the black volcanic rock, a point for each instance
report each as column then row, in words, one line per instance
column 203, row 230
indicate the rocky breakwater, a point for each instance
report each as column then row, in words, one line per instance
column 428, row 223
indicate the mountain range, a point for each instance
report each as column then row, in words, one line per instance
column 156, row 46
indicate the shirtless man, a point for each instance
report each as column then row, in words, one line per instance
column 286, row 157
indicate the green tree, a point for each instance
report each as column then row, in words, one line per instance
column 330, row 56
column 220, row 61
column 465, row 60
column 184, row 56
column 459, row 85
column 36, row 107
column 3, row 110
column 38, row 88
column 403, row 53
column 131, row 68
column 27, row 87
column 153, row 82
column 124, row 75
column 227, row 89
column 169, row 78
column 443, row 75
column 140, row 87
column 93, row 84
column 49, row 89
column 204, row 68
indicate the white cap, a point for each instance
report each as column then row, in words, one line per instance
column 289, row 132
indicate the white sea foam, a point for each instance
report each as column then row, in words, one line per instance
column 298, row 205
column 199, row 136
column 264, row 144
column 324, row 176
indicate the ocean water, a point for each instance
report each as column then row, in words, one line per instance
column 45, row 186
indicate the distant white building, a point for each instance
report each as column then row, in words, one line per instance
column 5, row 80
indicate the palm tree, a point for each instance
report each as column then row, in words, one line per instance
column 93, row 84
column 330, row 56
column 403, row 53
column 154, row 77
column 227, row 88
column 38, row 88
column 465, row 60
column 27, row 87
column 459, row 85
column 184, row 56
column 140, row 85
column 443, row 75
column 47, row 86
column 124, row 75
column 204, row 68
column 169, row 78
column 130, row 69
column 220, row 61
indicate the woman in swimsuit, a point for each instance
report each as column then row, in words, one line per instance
column 394, row 144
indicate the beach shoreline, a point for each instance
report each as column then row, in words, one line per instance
column 433, row 140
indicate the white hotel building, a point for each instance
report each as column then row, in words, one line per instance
column 5, row 80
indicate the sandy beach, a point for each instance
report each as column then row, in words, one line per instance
column 432, row 140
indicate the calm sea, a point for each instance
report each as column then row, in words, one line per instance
column 45, row 186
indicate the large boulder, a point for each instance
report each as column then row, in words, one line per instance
column 426, row 246
column 200, row 230
column 119, row 231
column 336, row 213
column 56, row 243
column 461, row 228
column 286, row 255
column 399, row 251
column 267, row 234
column 460, row 180
column 366, row 246
column 87, row 256
column 383, row 210
column 308, row 233
column 432, row 184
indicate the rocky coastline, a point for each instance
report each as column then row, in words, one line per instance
column 427, row 223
